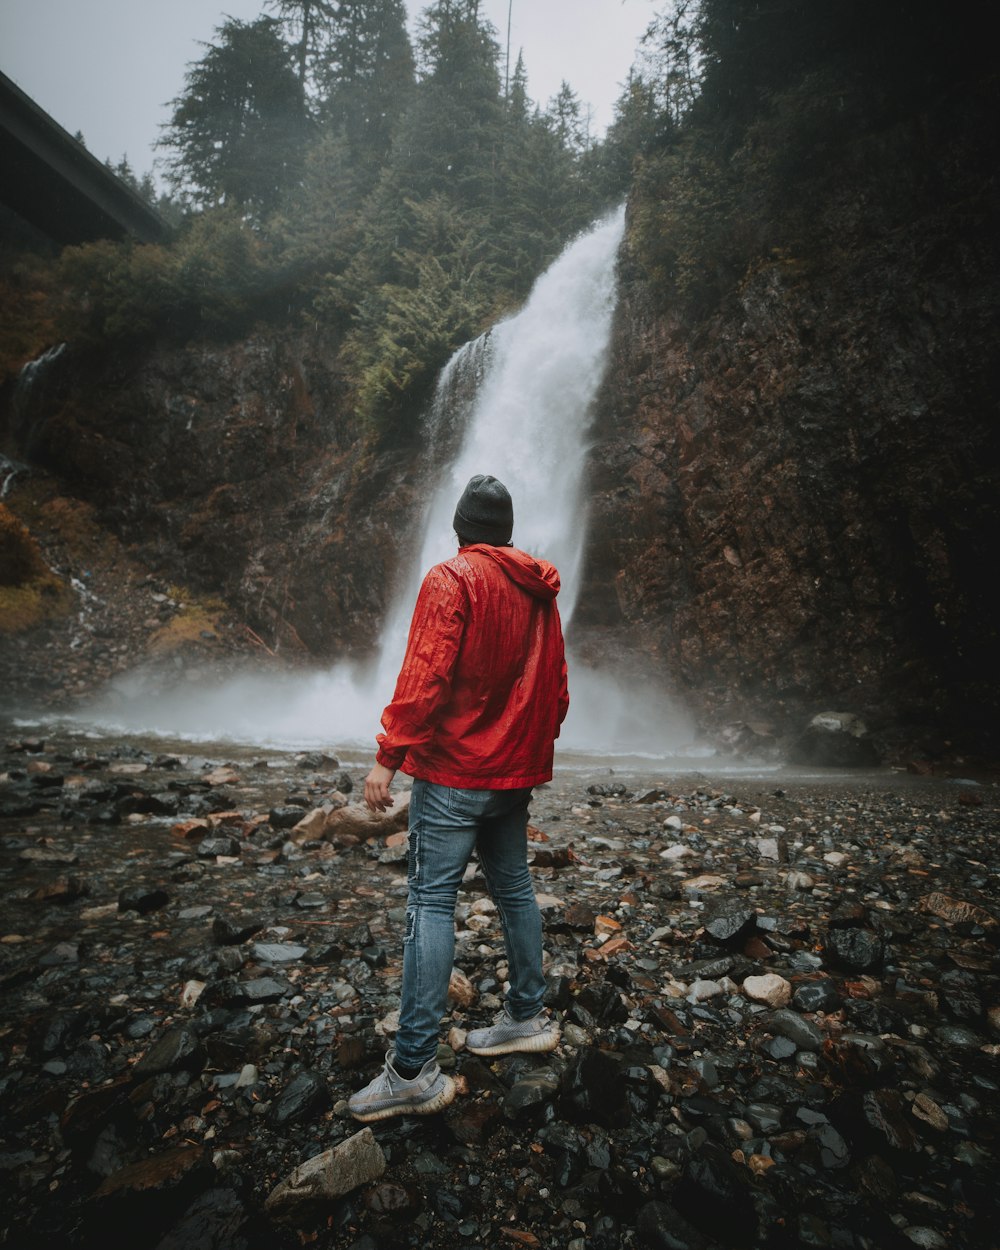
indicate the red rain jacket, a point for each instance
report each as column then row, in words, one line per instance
column 482, row 690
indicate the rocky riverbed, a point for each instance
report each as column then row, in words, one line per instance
column 778, row 996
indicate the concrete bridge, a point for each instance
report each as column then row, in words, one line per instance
column 50, row 179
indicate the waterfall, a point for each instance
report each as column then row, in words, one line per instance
column 533, row 380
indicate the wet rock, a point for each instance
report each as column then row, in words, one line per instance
column 399, row 1203
column 816, row 995
column 219, row 1217
column 357, row 1161
column 227, row 931
column 661, row 1226
column 212, row 848
column 802, row 1033
column 285, row 817
column 278, row 952
column 957, row 911
column 857, row 950
column 770, row 989
column 835, row 740
column 594, row 1090
column 167, row 1170
column 179, row 1049
column 714, row 1196
column 142, row 899
column 529, row 1093
column 885, row 1111
column 305, row 1096
column 730, row 922
column 564, row 1152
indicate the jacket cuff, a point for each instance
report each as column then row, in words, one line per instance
column 390, row 759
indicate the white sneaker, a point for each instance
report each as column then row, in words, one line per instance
column 507, row 1036
column 391, row 1094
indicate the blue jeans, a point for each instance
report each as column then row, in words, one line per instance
column 446, row 826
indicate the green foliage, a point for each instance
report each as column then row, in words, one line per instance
column 402, row 198
column 441, row 298
column 782, row 151
column 213, row 280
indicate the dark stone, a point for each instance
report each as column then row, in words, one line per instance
column 857, row 950
column 731, row 921
column 229, row 932
column 834, row 740
column 558, row 991
column 564, row 1149
column 600, row 1003
column 886, row 1112
column 285, row 817
column 529, row 1093
column 803, row 1033
column 218, row 1218
column 305, row 1096
column 714, row 1195
column 661, row 1226
column 848, row 915
column 54, row 1034
column 178, row 1050
column 224, row 846
column 142, row 899
column 594, row 1090
column 818, row 995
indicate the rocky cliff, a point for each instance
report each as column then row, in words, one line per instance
column 795, row 493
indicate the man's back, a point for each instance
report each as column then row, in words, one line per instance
column 482, row 691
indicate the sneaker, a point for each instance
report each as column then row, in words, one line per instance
column 508, row 1036
column 391, row 1094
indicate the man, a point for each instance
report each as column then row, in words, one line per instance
column 478, row 704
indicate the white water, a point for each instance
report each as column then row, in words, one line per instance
column 528, row 423
column 528, row 426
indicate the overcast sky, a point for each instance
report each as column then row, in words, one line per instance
column 109, row 68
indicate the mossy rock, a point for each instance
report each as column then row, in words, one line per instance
column 30, row 593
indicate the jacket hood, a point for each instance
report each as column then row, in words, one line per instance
column 537, row 577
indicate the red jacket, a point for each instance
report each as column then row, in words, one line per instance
column 482, row 690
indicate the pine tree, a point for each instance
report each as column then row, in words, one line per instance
column 310, row 23
column 238, row 131
column 367, row 79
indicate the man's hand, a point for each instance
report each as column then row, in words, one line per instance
column 377, row 783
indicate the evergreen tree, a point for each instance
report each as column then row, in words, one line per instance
column 239, row 129
column 367, row 79
column 566, row 119
column 310, row 23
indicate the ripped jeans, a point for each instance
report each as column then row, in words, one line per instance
column 446, row 826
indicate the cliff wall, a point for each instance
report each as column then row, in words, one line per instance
column 795, row 492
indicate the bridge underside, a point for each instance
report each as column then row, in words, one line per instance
column 55, row 184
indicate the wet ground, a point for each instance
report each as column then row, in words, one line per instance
column 777, row 992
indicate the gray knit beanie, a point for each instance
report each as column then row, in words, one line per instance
column 485, row 513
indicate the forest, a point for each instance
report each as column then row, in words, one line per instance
column 404, row 195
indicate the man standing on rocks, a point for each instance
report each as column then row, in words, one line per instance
column 477, row 706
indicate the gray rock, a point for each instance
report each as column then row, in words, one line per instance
column 789, row 1024
column 835, row 740
column 357, row 1161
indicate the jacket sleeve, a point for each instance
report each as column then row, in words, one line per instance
column 563, row 693
column 425, row 678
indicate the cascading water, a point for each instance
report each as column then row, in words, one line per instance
column 535, row 377
column 518, row 401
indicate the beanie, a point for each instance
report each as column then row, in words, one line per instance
column 485, row 513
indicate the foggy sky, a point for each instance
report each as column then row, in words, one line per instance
column 109, row 68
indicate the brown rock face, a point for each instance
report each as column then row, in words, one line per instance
column 236, row 468
column 793, row 500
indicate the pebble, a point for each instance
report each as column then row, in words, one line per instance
column 752, row 1026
